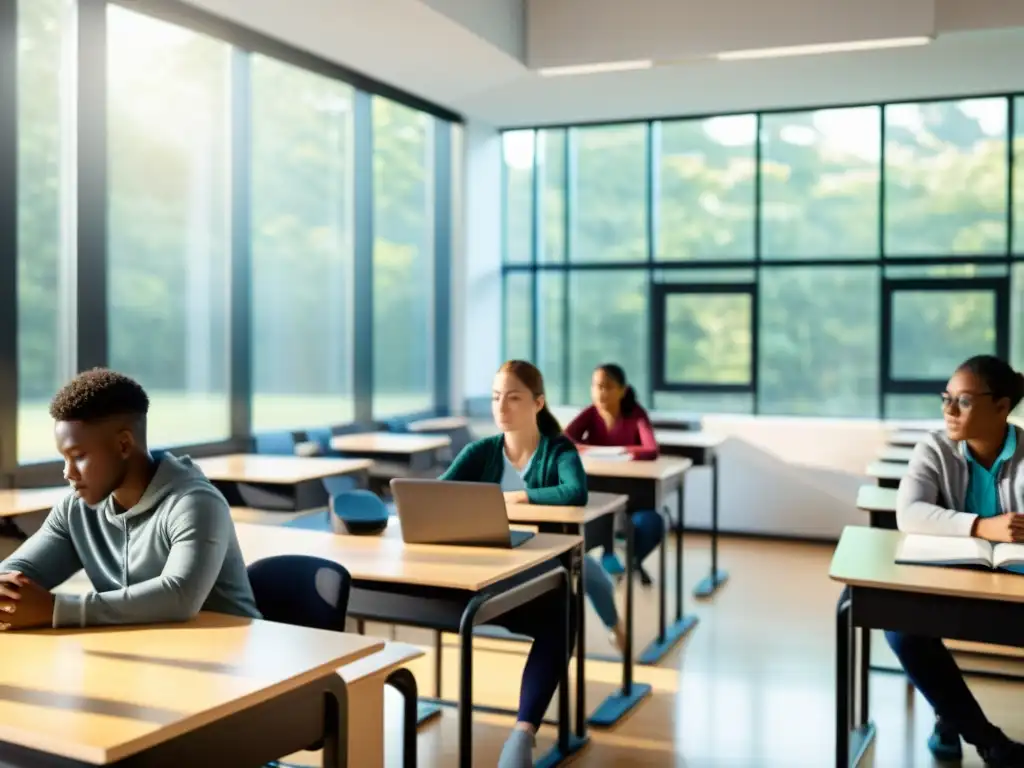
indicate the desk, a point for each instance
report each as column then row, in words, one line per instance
column 683, row 422
column 279, row 482
column 906, row 438
column 647, row 484
column 897, row 454
column 415, row 450
column 886, row 474
column 167, row 694
column 445, row 588
column 702, row 449
column 949, row 603
column 880, row 504
column 15, row 502
column 593, row 522
column 440, row 424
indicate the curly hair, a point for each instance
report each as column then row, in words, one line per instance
column 99, row 394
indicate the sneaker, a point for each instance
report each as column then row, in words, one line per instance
column 1005, row 754
column 612, row 565
column 944, row 743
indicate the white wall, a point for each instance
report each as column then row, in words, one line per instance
column 479, row 295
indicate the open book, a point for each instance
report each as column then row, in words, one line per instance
column 608, row 453
column 918, row 549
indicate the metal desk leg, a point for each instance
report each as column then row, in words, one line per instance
column 618, row 704
column 710, row 584
column 851, row 744
column 669, row 636
column 428, row 710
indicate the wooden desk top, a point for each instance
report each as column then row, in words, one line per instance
column 897, row 454
column 25, row 501
column 865, row 557
column 907, row 438
column 371, row 443
column 662, row 469
column 440, row 424
column 675, row 437
column 871, row 498
column 389, row 559
column 886, row 470
column 270, row 516
column 258, row 468
column 101, row 695
column 598, row 505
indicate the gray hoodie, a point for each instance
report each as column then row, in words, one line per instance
column 932, row 493
column 165, row 559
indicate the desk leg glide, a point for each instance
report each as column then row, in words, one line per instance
column 668, row 636
column 620, row 703
column 851, row 743
column 707, row 586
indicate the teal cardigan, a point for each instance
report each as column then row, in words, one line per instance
column 555, row 477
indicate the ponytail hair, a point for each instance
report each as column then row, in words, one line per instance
column 1000, row 379
column 618, row 375
column 531, row 378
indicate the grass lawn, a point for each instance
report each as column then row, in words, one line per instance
column 177, row 418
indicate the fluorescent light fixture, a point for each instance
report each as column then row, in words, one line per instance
column 593, row 69
column 818, row 48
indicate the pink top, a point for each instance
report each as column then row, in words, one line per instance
column 633, row 432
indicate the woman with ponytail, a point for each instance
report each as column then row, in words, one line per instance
column 615, row 419
column 534, row 464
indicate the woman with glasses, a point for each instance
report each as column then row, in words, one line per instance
column 966, row 482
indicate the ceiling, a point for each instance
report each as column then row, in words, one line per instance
column 480, row 57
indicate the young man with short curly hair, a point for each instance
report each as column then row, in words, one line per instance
column 154, row 536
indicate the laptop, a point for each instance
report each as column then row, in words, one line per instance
column 450, row 512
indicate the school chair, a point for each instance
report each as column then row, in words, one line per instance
column 275, row 443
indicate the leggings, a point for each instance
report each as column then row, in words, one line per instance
column 541, row 620
column 648, row 530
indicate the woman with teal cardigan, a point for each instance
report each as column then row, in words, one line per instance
column 534, row 464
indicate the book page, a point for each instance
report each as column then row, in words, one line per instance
column 1007, row 554
column 944, row 550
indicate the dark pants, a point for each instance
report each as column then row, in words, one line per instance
column 933, row 671
column 648, row 531
column 540, row 619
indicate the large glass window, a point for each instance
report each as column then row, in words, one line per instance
column 551, row 335
column 403, row 260
column 1018, row 175
column 518, row 316
column 818, row 345
column 819, row 184
column 610, row 194
column 302, row 210
column 46, row 104
column 946, row 178
column 607, row 324
column 705, row 188
column 552, row 145
column 169, row 234
column 518, row 149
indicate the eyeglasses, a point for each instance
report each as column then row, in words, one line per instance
column 963, row 402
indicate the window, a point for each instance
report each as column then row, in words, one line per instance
column 169, row 233
column 302, row 209
column 707, row 338
column 45, row 231
column 819, row 182
column 1018, row 175
column 551, row 335
column 518, row 149
column 518, row 316
column 818, row 349
column 946, row 178
column 705, row 188
column 403, row 260
column 552, row 145
column 610, row 194
column 607, row 324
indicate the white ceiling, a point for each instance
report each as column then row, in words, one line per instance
column 468, row 55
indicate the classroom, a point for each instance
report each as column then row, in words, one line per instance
column 514, row 383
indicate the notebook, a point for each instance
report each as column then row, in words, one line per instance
column 608, row 453
column 958, row 551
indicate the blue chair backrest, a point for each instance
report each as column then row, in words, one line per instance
column 302, row 590
column 275, row 443
column 321, row 437
column 359, row 506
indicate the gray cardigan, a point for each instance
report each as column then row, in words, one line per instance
column 932, row 492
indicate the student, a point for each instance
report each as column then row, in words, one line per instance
column 154, row 536
column 966, row 482
column 616, row 419
column 534, row 464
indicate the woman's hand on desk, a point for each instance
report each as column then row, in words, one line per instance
column 23, row 603
column 516, row 497
column 1005, row 528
